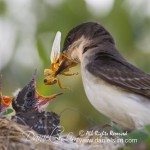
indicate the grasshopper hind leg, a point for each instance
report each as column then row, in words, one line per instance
column 60, row 85
column 69, row 74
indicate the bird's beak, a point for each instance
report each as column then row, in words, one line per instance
column 6, row 100
column 39, row 96
column 65, row 64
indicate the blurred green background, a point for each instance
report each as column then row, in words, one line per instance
column 27, row 30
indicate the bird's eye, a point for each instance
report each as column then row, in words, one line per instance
column 69, row 39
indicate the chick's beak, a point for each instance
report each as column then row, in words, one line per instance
column 64, row 65
column 6, row 100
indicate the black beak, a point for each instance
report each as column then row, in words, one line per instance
column 64, row 65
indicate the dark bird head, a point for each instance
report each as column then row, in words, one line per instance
column 29, row 99
column 25, row 99
column 80, row 39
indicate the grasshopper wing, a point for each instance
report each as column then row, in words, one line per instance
column 56, row 48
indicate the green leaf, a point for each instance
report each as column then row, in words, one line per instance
column 8, row 111
column 140, row 135
column 116, row 128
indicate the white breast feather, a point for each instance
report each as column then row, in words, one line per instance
column 127, row 109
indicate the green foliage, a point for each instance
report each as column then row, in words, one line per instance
column 2, row 7
column 147, row 128
column 116, row 128
column 41, row 52
column 141, row 135
column 8, row 111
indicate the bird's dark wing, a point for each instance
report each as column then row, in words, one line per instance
column 119, row 72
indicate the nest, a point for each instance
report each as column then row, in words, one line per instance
column 13, row 136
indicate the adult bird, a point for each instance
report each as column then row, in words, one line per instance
column 113, row 86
